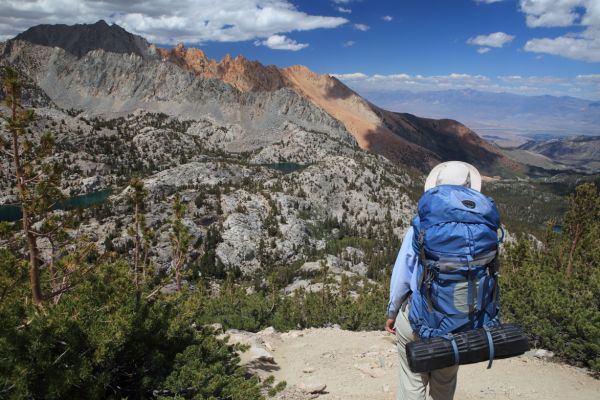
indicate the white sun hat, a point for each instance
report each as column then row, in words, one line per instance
column 454, row 173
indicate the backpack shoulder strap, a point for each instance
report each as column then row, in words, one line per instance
column 419, row 247
column 422, row 257
column 419, row 240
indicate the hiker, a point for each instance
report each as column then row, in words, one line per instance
column 405, row 282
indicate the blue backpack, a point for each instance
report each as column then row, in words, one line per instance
column 456, row 238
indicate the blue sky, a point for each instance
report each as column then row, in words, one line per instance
column 520, row 46
column 424, row 37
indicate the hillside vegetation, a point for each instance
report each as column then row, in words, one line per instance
column 553, row 289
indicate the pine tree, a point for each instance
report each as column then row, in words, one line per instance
column 18, row 120
column 180, row 238
column 65, row 254
column 581, row 219
column 36, row 180
column 137, row 197
column 148, row 237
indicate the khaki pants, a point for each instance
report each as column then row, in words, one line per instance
column 442, row 382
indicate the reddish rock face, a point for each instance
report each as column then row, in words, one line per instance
column 239, row 72
column 405, row 138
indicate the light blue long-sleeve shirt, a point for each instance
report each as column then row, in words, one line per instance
column 404, row 277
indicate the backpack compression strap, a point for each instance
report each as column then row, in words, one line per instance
column 423, row 261
column 422, row 258
column 450, row 337
column 490, row 344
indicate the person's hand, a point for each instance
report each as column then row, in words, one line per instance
column 389, row 326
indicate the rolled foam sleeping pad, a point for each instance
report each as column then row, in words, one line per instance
column 426, row 355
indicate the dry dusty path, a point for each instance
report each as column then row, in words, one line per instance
column 364, row 365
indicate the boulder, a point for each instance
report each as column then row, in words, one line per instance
column 543, row 354
column 312, row 388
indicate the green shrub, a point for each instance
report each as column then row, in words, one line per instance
column 104, row 339
column 554, row 290
column 208, row 370
column 234, row 308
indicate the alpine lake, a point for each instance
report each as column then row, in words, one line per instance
column 286, row 167
column 12, row 212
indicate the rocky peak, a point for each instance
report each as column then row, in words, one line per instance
column 180, row 48
column 301, row 70
column 227, row 59
column 193, row 59
column 82, row 38
column 251, row 76
column 241, row 73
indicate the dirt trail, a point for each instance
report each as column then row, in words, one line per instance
column 364, row 365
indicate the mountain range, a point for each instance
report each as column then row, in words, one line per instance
column 499, row 116
column 276, row 167
column 580, row 153
column 107, row 71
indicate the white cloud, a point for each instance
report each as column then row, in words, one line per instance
column 362, row 27
column 510, row 78
column 496, row 39
column 581, row 85
column 465, row 77
column 349, row 43
column 387, row 18
column 382, row 81
column 483, row 50
column 589, row 78
column 280, row 42
column 344, row 10
column 488, row 1
column 351, row 76
column 393, row 77
column 550, row 13
column 170, row 21
column 532, row 80
column 582, row 45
